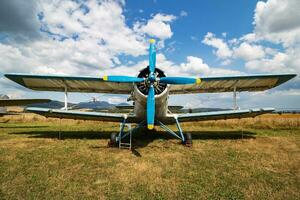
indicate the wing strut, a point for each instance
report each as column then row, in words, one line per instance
column 66, row 98
column 235, row 106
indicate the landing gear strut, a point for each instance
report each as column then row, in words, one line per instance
column 186, row 139
column 115, row 138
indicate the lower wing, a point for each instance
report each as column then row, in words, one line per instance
column 21, row 102
column 96, row 116
column 228, row 114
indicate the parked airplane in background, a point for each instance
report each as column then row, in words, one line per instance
column 19, row 102
column 150, row 91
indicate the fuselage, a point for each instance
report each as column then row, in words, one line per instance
column 140, row 104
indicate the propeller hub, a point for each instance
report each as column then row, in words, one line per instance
column 152, row 77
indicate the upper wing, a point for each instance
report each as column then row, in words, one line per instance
column 228, row 83
column 230, row 114
column 69, row 114
column 21, row 102
column 72, row 83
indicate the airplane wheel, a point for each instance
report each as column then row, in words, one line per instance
column 112, row 142
column 188, row 140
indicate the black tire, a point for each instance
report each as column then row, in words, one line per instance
column 112, row 142
column 188, row 140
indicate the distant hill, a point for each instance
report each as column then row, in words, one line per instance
column 2, row 109
column 104, row 105
column 93, row 105
column 51, row 104
column 3, row 96
column 97, row 105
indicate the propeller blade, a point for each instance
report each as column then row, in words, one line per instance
column 152, row 56
column 123, row 79
column 150, row 108
column 179, row 80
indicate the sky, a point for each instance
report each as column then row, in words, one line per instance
column 194, row 38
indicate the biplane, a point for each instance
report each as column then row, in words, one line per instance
column 149, row 91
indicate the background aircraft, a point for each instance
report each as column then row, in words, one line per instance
column 18, row 102
column 150, row 91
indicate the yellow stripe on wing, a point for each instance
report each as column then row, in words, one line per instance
column 105, row 78
column 198, row 81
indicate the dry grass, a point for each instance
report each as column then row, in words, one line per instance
column 234, row 159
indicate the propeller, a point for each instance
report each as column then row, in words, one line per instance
column 150, row 108
column 179, row 80
column 151, row 93
column 152, row 56
column 123, row 79
column 150, row 82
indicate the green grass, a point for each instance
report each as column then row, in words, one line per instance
column 225, row 162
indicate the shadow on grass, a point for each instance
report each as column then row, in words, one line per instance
column 141, row 137
column 29, row 126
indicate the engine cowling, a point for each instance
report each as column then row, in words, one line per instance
column 143, row 87
column 141, row 91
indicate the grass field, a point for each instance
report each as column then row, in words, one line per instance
column 234, row 159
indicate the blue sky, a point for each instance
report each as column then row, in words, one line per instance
column 202, row 17
column 195, row 38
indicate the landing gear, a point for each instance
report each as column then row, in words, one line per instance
column 116, row 138
column 113, row 140
column 188, row 140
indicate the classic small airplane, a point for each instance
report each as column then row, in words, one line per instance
column 150, row 91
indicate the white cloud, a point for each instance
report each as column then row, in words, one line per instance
column 249, row 52
column 250, row 37
column 116, row 99
column 104, row 23
column 183, row 13
column 102, row 35
column 274, row 21
column 223, row 51
column 158, row 26
column 278, row 21
column 275, row 64
column 194, row 66
column 18, row 19
column 226, row 62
